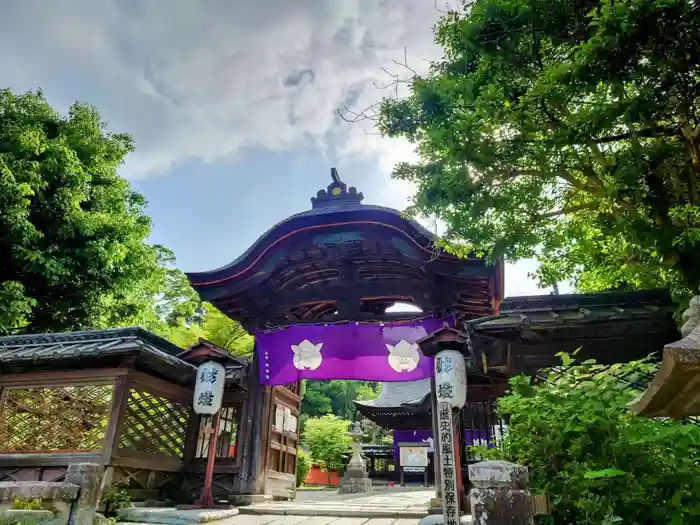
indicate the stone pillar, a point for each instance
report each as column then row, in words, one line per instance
column 499, row 494
column 88, row 476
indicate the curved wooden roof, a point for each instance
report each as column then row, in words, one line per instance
column 351, row 258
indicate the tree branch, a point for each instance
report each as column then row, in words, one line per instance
column 648, row 132
column 565, row 211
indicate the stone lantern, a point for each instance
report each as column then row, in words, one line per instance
column 355, row 478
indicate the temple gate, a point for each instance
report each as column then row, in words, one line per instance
column 314, row 289
column 340, row 262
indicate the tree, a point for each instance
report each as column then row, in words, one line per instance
column 73, row 251
column 213, row 325
column 336, row 397
column 598, row 462
column 227, row 333
column 567, row 131
column 303, row 466
column 327, row 440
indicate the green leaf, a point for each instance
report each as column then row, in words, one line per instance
column 603, row 473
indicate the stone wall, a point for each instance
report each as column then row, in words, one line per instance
column 70, row 502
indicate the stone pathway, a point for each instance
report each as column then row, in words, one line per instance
column 388, row 504
column 244, row 519
column 385, row 506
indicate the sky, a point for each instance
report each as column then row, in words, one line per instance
column 233, row 105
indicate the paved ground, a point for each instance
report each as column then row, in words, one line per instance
column 386, row 503
column 385, row 506
column 244, row 519
column 408, row 495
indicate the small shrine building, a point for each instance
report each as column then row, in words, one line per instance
column 524, row 337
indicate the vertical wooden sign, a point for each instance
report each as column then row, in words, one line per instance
column 449, row 470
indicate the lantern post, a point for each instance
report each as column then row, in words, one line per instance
column 207, row 401
column 208, row 394
column 448, row 347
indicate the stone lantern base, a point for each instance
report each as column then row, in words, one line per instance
column 355, row 478
column 355, row 485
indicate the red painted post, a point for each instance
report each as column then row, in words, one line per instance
column 458, row 456
column 206, row 500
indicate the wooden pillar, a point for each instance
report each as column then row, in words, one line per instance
column 120, row 397
column 251, row 449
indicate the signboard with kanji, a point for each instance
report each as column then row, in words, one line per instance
column 413, row 456
column 449, row 470
column 209, row 388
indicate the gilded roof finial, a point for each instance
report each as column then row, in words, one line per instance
column 336, row 193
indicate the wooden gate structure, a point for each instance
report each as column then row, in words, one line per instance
column 340, row 261
column 123, row 397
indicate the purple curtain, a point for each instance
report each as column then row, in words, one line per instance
column 369, row 352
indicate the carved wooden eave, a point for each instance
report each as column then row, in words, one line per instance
column 207, row 351
column 345, row 260
column 610, row 327
column 445, row 338
column 675, row 390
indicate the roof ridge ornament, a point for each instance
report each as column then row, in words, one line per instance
column 336, row 193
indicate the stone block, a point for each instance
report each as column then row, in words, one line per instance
column 494, row 473
column 174, row 516
column 26, row 517
column 44, row 490
column 88, row 476
column 437, row 519
column 499, row 494
column 245, row 500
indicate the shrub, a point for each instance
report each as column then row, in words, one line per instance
column 114, row 498
column 303, row 467
column 327, row 440
column 599, row 463
column 27, row 504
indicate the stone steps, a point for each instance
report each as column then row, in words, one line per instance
column 175, row 516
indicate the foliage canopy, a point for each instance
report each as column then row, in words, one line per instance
column 73, row 251
column 599, row 463
column 567, row 131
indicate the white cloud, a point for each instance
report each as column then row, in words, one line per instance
column 208, row 79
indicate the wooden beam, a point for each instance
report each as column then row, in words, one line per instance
column 62, row 378
column 356, row 290
column 49, row 459
column 142, row 460
column 163, row 388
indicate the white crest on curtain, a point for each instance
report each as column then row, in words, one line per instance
column 307, row 356
column 404, row 356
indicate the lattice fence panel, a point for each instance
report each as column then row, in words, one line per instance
column 70, row 418
column 154, row 425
